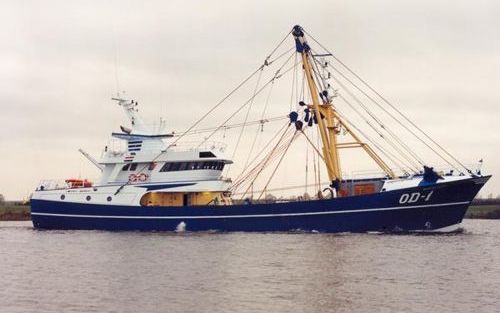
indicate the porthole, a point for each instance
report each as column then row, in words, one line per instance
column 88, row 198
column 95, row 189
column 62, row 197
column 109, row 199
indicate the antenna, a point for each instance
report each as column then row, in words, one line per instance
column 115, row 61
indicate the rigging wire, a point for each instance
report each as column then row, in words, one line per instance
column 317, row 160
column 386, row 139
column 379, row 122
column 279, row 44
column 237, row 125
column 307, row 167
column 394, row 159
column 397, row 111
column 266, row 160
column 276, row 76
column 261, row 151
column 266, row 63
column 259, row 127
column 215, row 106
column 279, row 163
column 400, row 123
column 246, row 119
column 414, row 166
column 293, row 81
column 271, row 155
column 262, row 117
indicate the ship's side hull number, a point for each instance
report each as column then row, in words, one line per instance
column 415, row 197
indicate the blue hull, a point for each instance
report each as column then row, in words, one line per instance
column 434, row 207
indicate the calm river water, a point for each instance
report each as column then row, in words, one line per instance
column 90, row 271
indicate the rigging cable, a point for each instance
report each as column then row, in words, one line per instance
column 394, row 159
column 266, row 63
column 267, row 159
column 293, row 82
column 264, row 112
column 312, row 145
column 237, row 125
column 306, row 166
column 245, row 121
column 410, row 163
column 253, row 172
column 399, row 122
column 259, row 127
column 279, row 163
column 261, row 151
column 276, row 76
column 398, row 111
column 378, row 121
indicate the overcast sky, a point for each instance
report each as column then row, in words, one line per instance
column 438, row 60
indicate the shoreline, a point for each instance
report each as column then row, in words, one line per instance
column 19, row 212
column 15, row 212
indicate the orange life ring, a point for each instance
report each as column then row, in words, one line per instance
column 132, row 178
column 142, row 177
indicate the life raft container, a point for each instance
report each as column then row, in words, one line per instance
column 78, row 183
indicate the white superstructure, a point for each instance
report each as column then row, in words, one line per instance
column 149, row 171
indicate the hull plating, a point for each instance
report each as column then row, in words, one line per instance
column 420, row 208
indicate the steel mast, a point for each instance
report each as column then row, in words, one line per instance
column 328, row 121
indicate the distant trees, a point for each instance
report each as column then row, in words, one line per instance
column 2, row 199
column 488, row 200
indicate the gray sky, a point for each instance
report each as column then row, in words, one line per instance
column 438, row 60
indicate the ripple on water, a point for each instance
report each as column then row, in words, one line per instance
column 94, row 271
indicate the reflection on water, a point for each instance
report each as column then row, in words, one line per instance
column 89, row 271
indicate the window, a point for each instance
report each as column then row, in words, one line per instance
column 207, row 154
column 192, row 166
column 133, row 166
column 125, row 167
column 175, row 166
column 165, row 167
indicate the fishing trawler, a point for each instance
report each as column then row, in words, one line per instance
column 157, row 183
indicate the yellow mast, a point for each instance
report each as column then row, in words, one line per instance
column 329, row 147
column 329, row 122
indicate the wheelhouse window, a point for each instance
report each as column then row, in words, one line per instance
column 207, row 154
column 133, row 166
column 192, row 166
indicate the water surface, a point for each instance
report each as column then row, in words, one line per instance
column 94, row 271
